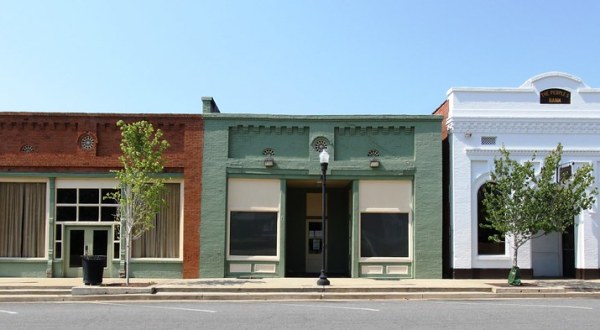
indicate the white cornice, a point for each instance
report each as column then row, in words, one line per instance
column 489, row 152
column 525, row 125
column 553, row 74
column 489, row 90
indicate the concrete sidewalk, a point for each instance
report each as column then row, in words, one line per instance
column 72, row 289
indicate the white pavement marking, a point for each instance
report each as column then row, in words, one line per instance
column 160, row 307
column 518, row 305
column 8, row 312
column 335, row 307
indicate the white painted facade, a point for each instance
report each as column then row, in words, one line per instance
column 517, row 120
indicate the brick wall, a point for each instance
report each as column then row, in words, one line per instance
column 193, row 142
column 51, row 142
column 442, row 110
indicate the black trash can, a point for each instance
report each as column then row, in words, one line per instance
column 93, row 266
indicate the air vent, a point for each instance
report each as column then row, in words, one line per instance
column 488, row 140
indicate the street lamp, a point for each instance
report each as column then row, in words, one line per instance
column 324, row 160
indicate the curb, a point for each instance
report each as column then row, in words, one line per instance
column 315, row 289
column 104, row 290
column 292, row 296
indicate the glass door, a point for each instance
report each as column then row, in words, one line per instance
column 86, row 241
column 314, row 235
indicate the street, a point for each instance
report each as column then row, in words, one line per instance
column 413, row 314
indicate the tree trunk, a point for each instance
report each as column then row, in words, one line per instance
column 515, row 254
column 128, row 230
column 127, row 257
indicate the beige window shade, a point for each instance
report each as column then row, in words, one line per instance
column 22, row 219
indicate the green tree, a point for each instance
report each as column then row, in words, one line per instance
column 140, row 186
column 522, row 204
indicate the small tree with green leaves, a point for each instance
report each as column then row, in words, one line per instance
column 522, row 204
column 140, row 186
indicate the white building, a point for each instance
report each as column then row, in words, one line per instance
column 532, row 118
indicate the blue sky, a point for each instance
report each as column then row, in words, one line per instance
column 283, row 57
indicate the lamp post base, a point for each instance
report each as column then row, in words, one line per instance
column 323, row 279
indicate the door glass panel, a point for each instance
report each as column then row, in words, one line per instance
column 58, row 250
column 116, row 251
column 101, row 243
column 76, row 244
column 58, row 232
column 315, row 234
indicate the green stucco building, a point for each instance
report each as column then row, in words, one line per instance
column 261, row 210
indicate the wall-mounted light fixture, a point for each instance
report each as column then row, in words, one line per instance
column 468, row 134
column 373, row 160
column 269, row 162
column 269, row 153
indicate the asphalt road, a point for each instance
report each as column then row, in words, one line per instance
column 484, row 314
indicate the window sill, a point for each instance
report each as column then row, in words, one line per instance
column 386, row 260
column 253, row 258
column 153, row 260
column 493, row 257
column 19, row 259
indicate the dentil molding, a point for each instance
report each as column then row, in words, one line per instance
column 555, row 126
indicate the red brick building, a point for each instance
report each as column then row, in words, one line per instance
column 54, row 170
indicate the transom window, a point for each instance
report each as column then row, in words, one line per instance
column 85, row 204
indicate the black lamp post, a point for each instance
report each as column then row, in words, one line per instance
column 324, row 160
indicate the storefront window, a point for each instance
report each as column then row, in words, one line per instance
column 162, row 241
column 384, row 235
column 22, row 219
column 484, row 245
column 253, row 234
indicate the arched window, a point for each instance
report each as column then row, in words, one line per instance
column 484, row 245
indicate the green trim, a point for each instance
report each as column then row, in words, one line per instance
column 261, row 172
column 51, row 225
column 252, row 273
column 282, row 219
column 157, row 268
column 408, row 119
column 96, row 175
column 23, row 267
column 409, row 274
column 57, row 268
column 355, row 271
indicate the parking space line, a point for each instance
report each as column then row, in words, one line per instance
column 334, row 307
column 160, row 307
column 8, row 312
column 520, row 305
